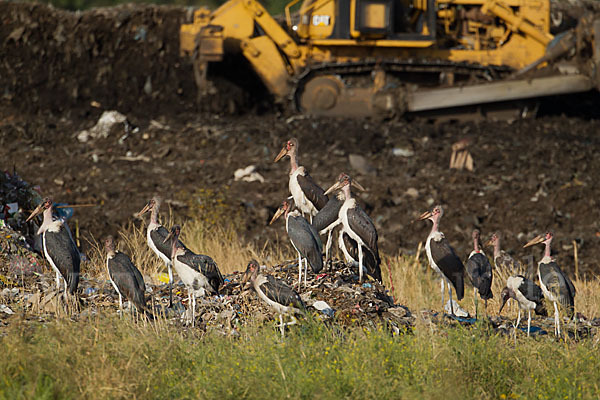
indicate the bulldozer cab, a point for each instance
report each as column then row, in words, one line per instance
column 343, row 20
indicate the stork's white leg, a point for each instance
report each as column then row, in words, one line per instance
column 305, row 270
column 294, row 321
column 443, row 302
column 57, row 281
column 328, row 246
column 518, row 320
column 120, row 302
column 360, row 261
column 450, row 294
column 281, row 326
column 193, row 309
column 299, row 269
column 556, row 321
column 528, row 322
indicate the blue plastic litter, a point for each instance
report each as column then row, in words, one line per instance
column 367, row 285
column 461, row 319
column 534, row 329
column 227, row 280
column 63, row 213
column 90, row 290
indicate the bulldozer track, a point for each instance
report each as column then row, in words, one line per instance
column 395, row 66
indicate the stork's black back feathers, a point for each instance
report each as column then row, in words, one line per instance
column 306, row 239
column 205, row 265
column 479, row 270
column 128, row 279
column 281, row 293
column 158, row 236
column 448, row 262
column 65, row 255
column 533, row 292
column 328, row 214
column 313, row 192
column 559, row 285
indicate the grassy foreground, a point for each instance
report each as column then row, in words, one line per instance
column 111, row 358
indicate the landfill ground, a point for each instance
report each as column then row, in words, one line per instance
column 63, row 70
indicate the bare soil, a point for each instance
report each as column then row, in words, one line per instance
column 529, row 176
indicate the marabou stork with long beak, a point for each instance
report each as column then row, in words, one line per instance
column 442, row 257
column 58, row 246
column 199, row 273
column 308, row 196
column 479, row 270
column 556, row 285
column 155, row 236
column 125, row 277
column 304, row 238
column 528, row 295
column 502, row 260
column 357, row 225
column 281, row 298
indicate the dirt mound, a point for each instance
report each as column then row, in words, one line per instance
column 124, row 58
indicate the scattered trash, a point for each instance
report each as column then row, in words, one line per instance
column 102, row 128
column 324, row 308
column 398, row 151
column 248, row 174
column 6, row 309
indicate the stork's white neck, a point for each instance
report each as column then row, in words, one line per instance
column 293, row 162
column 49, row 224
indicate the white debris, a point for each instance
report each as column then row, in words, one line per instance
column 459, row 312
column 323, row 307
column 399, row 151
column 107, row 120
column 6, row 309
column 248, row 174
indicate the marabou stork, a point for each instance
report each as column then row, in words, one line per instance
column 304, row 238
column 155, row 236
column 58, row 246
column 556, row 285
column 502, row 260
column 442, row 257
column 308, row 196
column 357, row 225
column 528, row 295
column 276, row 294
column 328, row 218
column 480, row 272
column 199, row 273
column 125, row 277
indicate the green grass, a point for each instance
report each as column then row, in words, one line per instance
column 111, row 358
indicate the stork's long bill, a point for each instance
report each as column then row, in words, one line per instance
column 545, row 238
column 44, row 205
column 283, row 209
column 343, row 181
column 290, row 149
column 504, row 296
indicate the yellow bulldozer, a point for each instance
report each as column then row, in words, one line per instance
column 391, row 57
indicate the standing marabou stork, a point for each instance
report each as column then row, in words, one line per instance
column 276, row 294
column 125, row 277
column 59, row 248
column 527, row 294
column 442, row 257
column 357, row 225
column 304, row 238
column 480, row 272
column 199, row 273
column 557, row 286
column 155, row 236
column 328, row 218
column 308, row 196
column 502, row 260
